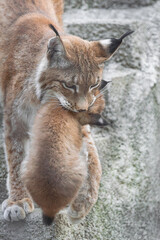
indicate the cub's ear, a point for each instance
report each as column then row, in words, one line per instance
column 103, row 84
column 56, row 53
column 97, row 119
column 104, row 49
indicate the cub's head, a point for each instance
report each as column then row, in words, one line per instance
column 71, row 71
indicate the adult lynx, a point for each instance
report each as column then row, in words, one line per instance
column 37, row 65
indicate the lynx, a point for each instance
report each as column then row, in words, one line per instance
column 39, row 62
column 55, row 170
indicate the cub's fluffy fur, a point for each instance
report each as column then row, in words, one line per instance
column 56, row 165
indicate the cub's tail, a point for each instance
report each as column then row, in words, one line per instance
column 47, row 220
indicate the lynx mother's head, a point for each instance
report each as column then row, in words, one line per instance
column 71, row 71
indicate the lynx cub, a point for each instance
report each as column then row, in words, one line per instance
column 55, row 171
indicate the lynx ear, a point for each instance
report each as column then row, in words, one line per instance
column 97, row 119
column 103, row 84
column 55, row 52
column 106, row 48
column 55, row 47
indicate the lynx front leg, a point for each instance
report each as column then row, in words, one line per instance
column 19, row 203
column 88, row 194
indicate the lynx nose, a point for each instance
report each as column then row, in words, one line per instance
column 82, row 104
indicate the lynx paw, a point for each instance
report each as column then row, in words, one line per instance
column 15, row 211
column 75, row 217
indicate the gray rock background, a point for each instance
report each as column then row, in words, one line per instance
column 128, row 207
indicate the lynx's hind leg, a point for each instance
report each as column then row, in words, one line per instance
column 88, row 193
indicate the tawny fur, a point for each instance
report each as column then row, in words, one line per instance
column 53, row 174
column 33, row 71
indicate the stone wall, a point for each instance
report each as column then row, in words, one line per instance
column 129, row 200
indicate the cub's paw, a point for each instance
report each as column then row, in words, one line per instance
column 16, row 211
column 74, row 216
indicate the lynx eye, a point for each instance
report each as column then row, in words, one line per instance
column 72, row 88
column 94, row 86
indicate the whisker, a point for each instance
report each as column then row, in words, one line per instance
column 48, row 97
column 51, row 97
column 101, row 93
column 55, row 107
column 50, row 100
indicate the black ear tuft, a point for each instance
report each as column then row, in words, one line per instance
column 47, row 220
column 126, row 34
column 103, row 84
column 54, row 29
column 115, row 43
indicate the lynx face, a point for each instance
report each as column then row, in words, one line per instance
column 71, row 71
column 75, row 92
column 73, row 78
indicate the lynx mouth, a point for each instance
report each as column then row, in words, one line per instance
column 72, row 110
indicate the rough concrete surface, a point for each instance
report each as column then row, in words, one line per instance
column 86, row 4
column 128, row 207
